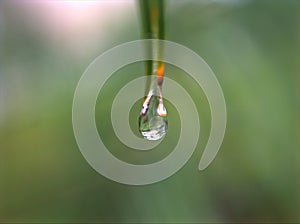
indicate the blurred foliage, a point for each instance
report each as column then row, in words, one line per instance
column 253, row 48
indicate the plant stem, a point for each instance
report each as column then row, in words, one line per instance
column 153, row 27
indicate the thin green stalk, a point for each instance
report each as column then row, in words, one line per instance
column 153, row 27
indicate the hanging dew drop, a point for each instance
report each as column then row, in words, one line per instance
column 153, row 121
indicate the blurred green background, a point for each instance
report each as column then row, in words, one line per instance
column 252, row 46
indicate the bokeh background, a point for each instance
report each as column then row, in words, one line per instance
column 252, row 46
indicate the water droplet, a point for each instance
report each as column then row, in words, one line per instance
column 153, row 121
